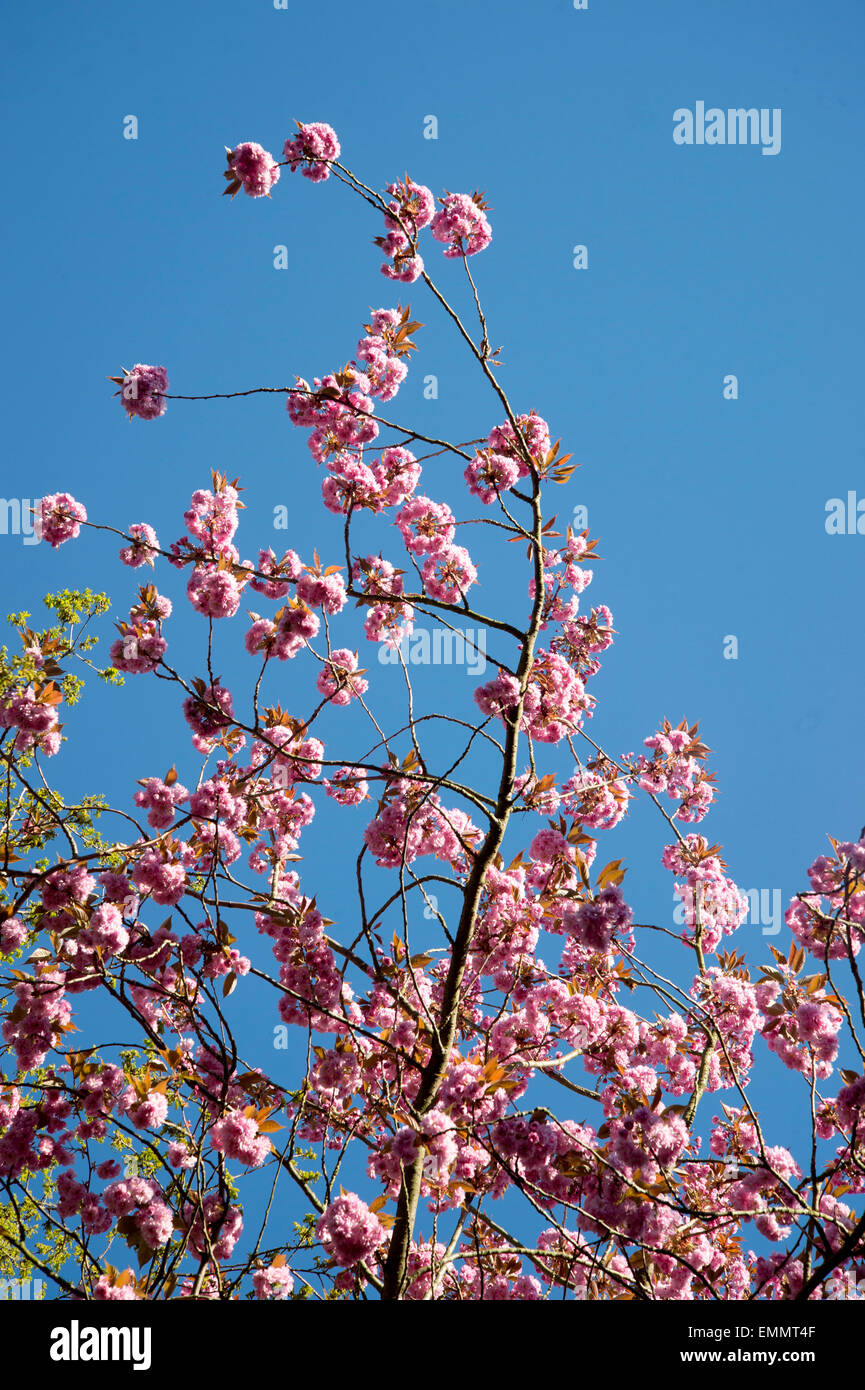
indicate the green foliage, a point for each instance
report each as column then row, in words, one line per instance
column 73, row 606
column 22, row 1223
column 67, row 638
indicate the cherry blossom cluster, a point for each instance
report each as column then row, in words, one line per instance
column 410, row 209
column 460, row 223
column 32, row 713
column 514, row 953
column 412, row 823
column 143, row 390
column 674, row 768
column 59, row 518
column 339, row 412
column 829, row 921
column 251, row 168
column 388, row 619
column 140, row 647
column 712, row 904
column 143, row 547
column 801, row 1021
column 554, row 702
column 312, row 150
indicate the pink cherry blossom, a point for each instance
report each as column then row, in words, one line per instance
column 214, row 592
column 461, row 223
column 427, row 527
column 274, row 1282
column 312, row 150
column 489, row 474
column 337, row 680
column 237, row 1136
column 143, row 547
column 143, row 391
column 449, row 574
column 60, row 518
column 349, row 1231
column 255, row 168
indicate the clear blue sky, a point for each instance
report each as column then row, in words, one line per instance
column 702, row 262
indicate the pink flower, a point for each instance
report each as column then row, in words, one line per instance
column 413, row 204
column 60, row 518
column 227, row 1221
column 372, row 352
column 301, row 762
column 208, row 1290
column 405, row 266
column 536, row 436
column 261, row 637
column 106, row 930
column 66, row 886
column 42, row 1011
column 354, row 487
column 274, row 1282
column 234, row 963
column 13, row 933
column 336, row 679
column 10, row 1104
column 326, row 591
column 140, row 647
column 349, row 1231
column 212, row 517
column 555, row 700
column 282, row 571
column 817, row 1021
column 348, row 787
column 161, row 801
column 385, row 622
column 255, row 168
column 179, row 1156
column 35, row 717
column 105, row 1291
column 314, row 147
column 813, row 922
column 549, row 845
column 237, row 1136
column 123, row 1197
column 143, row 547
column 427, row 527
column 648, row 1140
column 488, row 474
column 397, row 474
column 166, row 882
column 595, row 923
column 498, row 695
column 214, row 592
column 449, row 573
column 297, row 626
column 149, row 1113
column 156, row 1224
column 850, row 1103
column 143, row 391
column 384, row 367
column 208, row 714
column 462, row 225
column 675, row 769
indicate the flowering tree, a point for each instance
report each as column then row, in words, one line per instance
column 431, row 1037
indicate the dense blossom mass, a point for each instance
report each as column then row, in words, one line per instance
column 493, row 956
column 252, row 168
column 143, row 390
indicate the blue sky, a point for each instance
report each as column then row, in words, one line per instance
column 703, row 261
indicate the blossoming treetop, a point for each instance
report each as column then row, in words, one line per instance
column 434, row 1028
